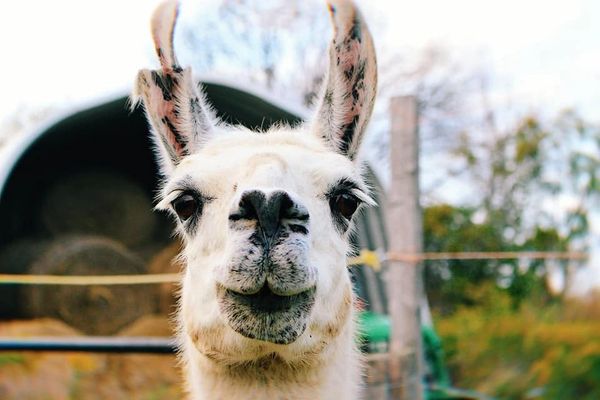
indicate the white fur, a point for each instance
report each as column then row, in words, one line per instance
column 217, row 168
column 223, row 162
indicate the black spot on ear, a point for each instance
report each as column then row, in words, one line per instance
column 165, row 85
column 349, row 72
column 169, row 148
column 349, row 131
column 328, row 98
column 331, row 9
column 174, row 131
column 355, row 32
column 176, row 134
column 360, row 74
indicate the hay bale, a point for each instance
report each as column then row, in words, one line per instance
column 165, row 261
column 85, row 376
column 16, row 258
column 95, row 309
column 149, row 325
column 37, row 327
column 35, row 375
column 145, row 373
column 99, row 203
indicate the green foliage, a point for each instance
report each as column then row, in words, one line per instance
column 514, row 174
column 447, row 228
column 449, row 283
column 508, row 352
column 505, row 333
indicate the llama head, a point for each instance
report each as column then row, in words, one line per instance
column 265, row 216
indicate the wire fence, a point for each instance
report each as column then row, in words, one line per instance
column 372, row 259
column 369, row 258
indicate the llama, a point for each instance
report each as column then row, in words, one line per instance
column 266, row 308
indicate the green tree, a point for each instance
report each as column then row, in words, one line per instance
column 520, row 179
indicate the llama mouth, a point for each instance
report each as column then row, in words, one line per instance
column 265, row 315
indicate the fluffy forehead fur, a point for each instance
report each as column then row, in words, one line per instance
column 293, row 159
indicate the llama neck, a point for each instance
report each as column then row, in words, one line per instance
column 333, row 373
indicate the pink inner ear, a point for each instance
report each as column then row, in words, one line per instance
column 166, row 116
column 349, row 64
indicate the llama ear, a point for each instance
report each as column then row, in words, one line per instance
column 176, row 110
column 349, row 93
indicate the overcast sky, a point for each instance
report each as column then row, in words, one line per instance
column 544, row 55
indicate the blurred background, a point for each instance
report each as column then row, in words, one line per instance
column 509, row 121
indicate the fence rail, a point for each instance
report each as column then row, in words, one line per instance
column 96, row 344
column 110, row 344
column 369, row 258
column 483, row 255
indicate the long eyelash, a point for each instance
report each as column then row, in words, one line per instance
column 346, row 185
column 183, row 187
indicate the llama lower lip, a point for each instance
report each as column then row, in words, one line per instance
column 265, row 315
column 265, row 301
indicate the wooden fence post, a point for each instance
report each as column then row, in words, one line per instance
column 404, row 279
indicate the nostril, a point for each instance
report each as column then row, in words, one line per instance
column 285, row 204
column 288, row 208
column 282, row 204
column 250, row 205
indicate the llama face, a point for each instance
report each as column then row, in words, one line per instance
column 265, row 216
column 272, row 211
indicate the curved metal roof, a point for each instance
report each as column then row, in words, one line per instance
column 236, row 103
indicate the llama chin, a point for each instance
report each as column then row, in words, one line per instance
column 266, row 308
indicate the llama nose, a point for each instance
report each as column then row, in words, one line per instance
column 269, row 210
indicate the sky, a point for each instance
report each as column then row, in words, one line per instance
column 544, row 55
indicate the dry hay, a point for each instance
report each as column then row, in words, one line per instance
column 16, row 259
column 95, row 309
column 149, row 325
column 159, row 372
column 165, row 261
column 85, row 376
column 99, row 203
column 42, row 375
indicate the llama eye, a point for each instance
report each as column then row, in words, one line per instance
column 185, row 206
column 345, row 204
